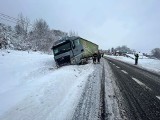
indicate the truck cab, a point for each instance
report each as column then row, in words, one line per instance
column 67, row 51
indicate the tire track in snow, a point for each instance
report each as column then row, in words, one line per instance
column 102, row 96
column 88, row 106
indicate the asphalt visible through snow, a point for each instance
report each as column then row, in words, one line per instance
column 140, row 89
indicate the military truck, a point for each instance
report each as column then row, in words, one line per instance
column 73, row 50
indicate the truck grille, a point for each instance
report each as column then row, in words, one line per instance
column 63, row 60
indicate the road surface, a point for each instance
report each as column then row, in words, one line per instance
column 98, row 101
column 140, row 90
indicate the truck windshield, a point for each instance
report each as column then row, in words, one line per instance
column 62, row 48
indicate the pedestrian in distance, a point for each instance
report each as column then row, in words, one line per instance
column 136, row 58
column 98, row 57
column 94, row 57
column 102, row 54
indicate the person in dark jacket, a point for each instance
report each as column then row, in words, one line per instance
column 136, row 58
column 102, row 54
column 98, row 57
column 94, row 57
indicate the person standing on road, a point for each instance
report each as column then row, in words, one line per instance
column 94, row 57
column 98, row 57
column 102, row 54
column 136, row 58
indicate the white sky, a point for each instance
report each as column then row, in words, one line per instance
column 109, row 23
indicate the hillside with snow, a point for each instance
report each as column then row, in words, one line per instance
column 16, row 38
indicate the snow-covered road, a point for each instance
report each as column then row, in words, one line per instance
column 140, row 90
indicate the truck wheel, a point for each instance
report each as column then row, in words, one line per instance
column 57, row 65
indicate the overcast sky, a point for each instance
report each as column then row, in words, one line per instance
column 108, row 23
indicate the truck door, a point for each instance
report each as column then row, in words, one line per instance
column 77, row 50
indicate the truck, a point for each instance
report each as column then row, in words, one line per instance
column 73, row 50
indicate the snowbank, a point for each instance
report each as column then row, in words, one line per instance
column 32, row 88
column 19, row 72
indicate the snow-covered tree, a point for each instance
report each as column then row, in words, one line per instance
column 6, row 34
column 112, row 50
column 41, row 28
column 72, row 33
column 123, row 48
column 22, row 25
column 39, row 38
column 156, row 52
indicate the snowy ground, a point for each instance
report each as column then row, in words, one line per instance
column 150, row 64
column 32, row 88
